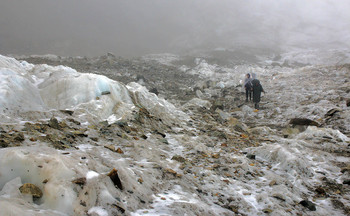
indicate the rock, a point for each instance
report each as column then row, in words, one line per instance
column 110, row 147
column 120, row 151
column 113, row 175
column 54, row 123
column 69, row 112
column 279, row 196
column 171, row 173
column 267, row 210
column 122, row 210
column 32, row 189
column 164, row 140
column 273, row 182
column 94, row 139
column 73, row 121
column 4, row 142
column 105, row 93
column 217, row 105
column 331, row 112
column 287, row 132
column 178, row 158
column 154, row 90
column 303, row 121
column 308, row 204
column 80, row 181
column 80, row 133
column 347, row 181
column 320, row 191
column 251, row 156
column 348, row 102
column 345, row 169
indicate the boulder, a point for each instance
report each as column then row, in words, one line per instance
column 308, row 204
column 54, row 123
column 303, row 121
column 32, row 189
column 113, row 175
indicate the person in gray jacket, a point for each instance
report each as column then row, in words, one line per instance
column 248, row 87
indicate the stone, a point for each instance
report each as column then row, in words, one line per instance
column 69, row 112
column 32, row 189
column 164, row 140
column 347, row 181
column 303, row 121
column 4, row 142
column 251, row 156
column 287, row 132
column 113, row 175
column 105, row 93
column 80, row 181
column 272, row 183
column 308, row 204
column 178, row 158
column 345, row 169
column 154, row 90
column 110, row 147
column 348, row 102
column 122, row 210
column 279, row 196
column 54, row 123
column 120, row 151
column 331, row 112
column 18, row 137
column 267, row 210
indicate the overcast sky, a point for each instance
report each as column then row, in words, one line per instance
column 138, row 27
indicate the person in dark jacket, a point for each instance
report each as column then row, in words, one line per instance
column 257, row 89
column 248, row 87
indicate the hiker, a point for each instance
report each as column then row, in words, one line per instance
column 257, row 89
column 248, row 87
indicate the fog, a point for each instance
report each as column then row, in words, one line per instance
column 137, row 27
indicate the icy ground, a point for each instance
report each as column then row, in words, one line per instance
column 193, row 148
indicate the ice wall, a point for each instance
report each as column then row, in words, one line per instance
column 25, row 87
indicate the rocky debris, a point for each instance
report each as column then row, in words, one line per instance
column 113, row 175
column 32, row 189
column 303, row 121
column 222, row 133
column 308, row 204
column 11, row 138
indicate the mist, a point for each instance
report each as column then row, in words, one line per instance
column 134, row 27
